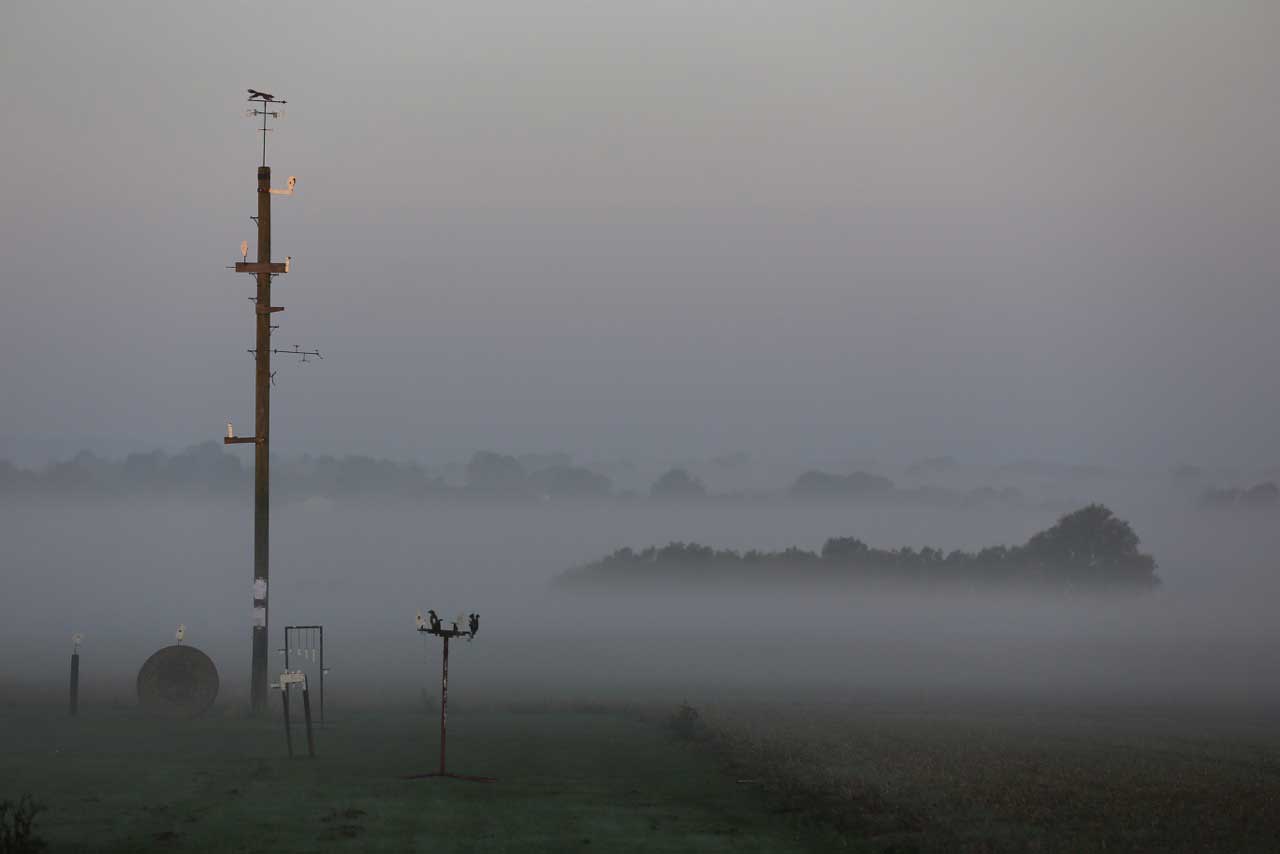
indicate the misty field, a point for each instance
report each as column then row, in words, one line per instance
column 825, row 719
column 935, row 777
column 566, row 782
column 746, row 777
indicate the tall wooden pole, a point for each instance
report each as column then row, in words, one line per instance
column 264, row 268
column 261, row 456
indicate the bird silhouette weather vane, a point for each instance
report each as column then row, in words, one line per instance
column 265, row 100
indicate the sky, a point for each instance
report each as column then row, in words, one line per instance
column 996, row 230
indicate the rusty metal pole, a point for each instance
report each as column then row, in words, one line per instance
column 435, row 627
column 444, row 701
column 261, row 456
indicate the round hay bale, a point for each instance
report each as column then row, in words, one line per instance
column 177, row 682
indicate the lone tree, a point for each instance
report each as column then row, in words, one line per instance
column 1089, row 535
column 1093, row 538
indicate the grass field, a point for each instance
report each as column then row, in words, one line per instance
column 947, row 777
column 566, row 782
column 748, row 776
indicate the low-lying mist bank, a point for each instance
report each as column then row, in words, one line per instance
column 127, row 573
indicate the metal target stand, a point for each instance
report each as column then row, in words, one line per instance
column 433, row 626
column 307, row 643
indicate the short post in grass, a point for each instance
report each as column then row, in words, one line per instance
column 74, row 701
column 288, row 678
column 460, row 627
column 306, row 716
column 288, row 734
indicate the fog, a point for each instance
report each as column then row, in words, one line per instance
column 996, row 230
column 762, row 320
column 127, row 572
column 817, row 233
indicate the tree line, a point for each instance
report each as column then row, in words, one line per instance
column 209, row 470
column 1089, row 548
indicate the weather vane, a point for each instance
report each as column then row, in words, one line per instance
column 265, row 99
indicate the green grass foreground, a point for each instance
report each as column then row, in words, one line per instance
column 568, row 781
column 745, row 777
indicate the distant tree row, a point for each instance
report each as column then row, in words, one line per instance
column 1260, row 495
column 210, row 469
column 1090, row 548
column 823, row 486
column 820, row 484
column 493, row 475
column 202, row 469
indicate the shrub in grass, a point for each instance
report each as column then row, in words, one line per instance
column 16, row 821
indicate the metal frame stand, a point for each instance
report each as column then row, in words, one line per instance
column 306, row 633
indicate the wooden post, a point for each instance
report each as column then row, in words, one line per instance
column 75, row 683
column 306, row 714
column 322, row 676
column 288, row 734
